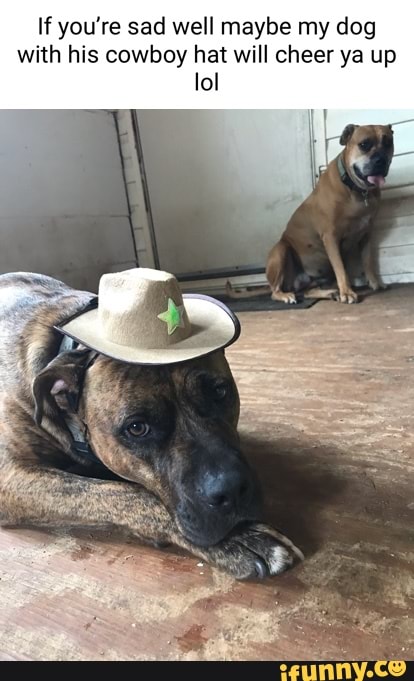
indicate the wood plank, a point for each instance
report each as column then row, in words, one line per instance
column 392, row 207
column 394, row 232
column 337, row 119
column 400, row 278
column 396, row 259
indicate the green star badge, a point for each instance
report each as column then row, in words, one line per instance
column 173, row 317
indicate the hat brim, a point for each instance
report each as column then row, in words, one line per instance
column 214, row 326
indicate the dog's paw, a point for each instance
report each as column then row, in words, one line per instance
column 288, row 298
column 347, row 296
column 254, row 552
column 376, row 285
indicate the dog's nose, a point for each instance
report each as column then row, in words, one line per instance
column 226, row 490
column 379, row 163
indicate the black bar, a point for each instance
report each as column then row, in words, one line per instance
column 221, row 273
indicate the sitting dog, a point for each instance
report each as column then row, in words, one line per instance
column 337, row 216
column 121, row 412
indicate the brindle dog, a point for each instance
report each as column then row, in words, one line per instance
column 167, row 465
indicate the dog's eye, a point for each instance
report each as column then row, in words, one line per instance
column 365, row 145
column 214, row 389
column 220, row 391
column 138, row 429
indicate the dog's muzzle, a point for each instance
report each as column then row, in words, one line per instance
column 374, row 171
column 217, row 499
column 378, row 165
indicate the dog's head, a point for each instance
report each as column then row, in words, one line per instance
column 368, row 153
column 172, row 429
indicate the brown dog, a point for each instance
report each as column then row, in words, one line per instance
column 86, row 440
column 335, row 218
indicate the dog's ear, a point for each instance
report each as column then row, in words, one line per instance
column 58, row 385
column 347, row 133
column 390, row 127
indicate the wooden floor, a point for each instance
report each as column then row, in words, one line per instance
column 327, row 416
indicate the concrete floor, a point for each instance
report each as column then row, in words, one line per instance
column 327, row 416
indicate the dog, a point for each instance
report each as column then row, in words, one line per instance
column 75, row 449
column 336, row 217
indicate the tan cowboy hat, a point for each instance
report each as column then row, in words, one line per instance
column 141, row 317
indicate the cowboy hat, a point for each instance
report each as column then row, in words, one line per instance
column 141, row 317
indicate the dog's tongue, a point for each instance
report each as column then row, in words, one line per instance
column 377, row 180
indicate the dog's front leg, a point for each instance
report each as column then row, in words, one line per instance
column 346, row 294
column 45, row 497
column 51, row 498
column 368, row 263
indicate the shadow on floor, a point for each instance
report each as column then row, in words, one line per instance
column 298, row 483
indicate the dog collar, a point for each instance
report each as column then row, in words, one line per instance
column 80, row 443
column 348, row 182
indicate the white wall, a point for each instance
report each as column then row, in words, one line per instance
column 223, row 183
column 63, row 206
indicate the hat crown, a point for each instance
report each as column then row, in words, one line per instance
column 140, row 317
column 142, row 307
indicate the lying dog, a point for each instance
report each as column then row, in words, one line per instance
column 87, row 440
column 335, row 218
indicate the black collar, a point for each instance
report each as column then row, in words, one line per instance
column 80, row 443
column 347, row 180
